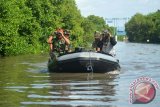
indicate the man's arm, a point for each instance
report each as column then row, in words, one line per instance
column 50, row 43
column 66, row 39
column 99, row 46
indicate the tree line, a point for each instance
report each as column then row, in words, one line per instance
column 25, row 25
column 144, row 28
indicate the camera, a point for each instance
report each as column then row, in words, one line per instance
column 57, row 34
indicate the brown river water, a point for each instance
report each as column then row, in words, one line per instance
column 26, row 82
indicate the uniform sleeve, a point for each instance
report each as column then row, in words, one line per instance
column 93, row 45
column 100, row 44
column 113, row 41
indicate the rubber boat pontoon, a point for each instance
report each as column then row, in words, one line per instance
column 84, row 62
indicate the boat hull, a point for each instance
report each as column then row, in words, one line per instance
column 85, row 62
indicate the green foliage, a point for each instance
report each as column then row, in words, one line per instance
column 144, row 27
column 90, row 25
column 26, row 24
column 121, row 37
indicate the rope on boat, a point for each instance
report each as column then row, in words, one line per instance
column 89, row 66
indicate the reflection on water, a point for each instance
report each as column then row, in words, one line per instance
column 25, row 82
column 74, row 89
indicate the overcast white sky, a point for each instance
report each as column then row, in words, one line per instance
column 117, row 8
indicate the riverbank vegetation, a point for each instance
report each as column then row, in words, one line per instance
column 144, row 28
column 121, row 37
column 25, row 25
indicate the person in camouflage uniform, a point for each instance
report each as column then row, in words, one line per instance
column 97, row 37
column 59, row 43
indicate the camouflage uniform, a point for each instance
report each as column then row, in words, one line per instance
column 59, row 47
column 97, row 36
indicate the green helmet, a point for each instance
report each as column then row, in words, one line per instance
column 97, row 34
column 105, row 32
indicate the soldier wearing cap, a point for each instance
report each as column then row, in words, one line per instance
column 97, row 39
column 59, row 42
column 107, row 43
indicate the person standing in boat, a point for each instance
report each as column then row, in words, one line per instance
column 97, row 38
column 59, row 43
column 106, row 45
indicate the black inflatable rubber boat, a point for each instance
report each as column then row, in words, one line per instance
column 84, row 62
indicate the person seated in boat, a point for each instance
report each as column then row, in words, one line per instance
column 59, row 43
column 67, row 47
column 97, row 38
column 106, row 45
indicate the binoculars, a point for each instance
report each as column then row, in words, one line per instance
column 57, row 34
